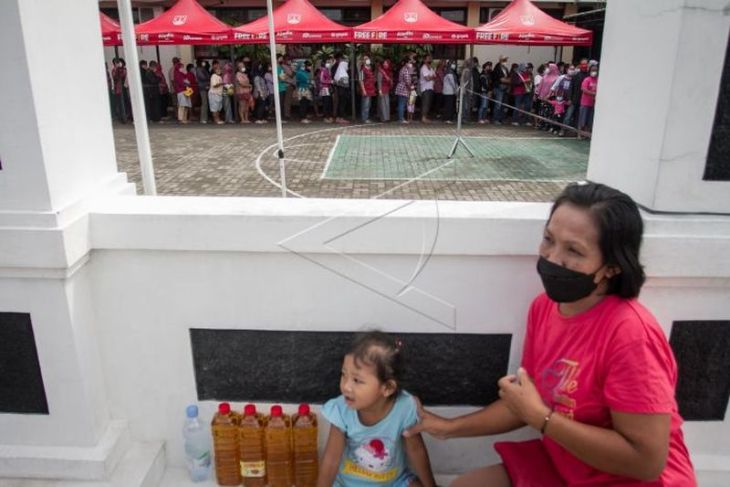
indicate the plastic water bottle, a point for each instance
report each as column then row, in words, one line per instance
column 197, row 446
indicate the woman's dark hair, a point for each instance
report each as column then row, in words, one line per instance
column 620, row 230
column 381, row 351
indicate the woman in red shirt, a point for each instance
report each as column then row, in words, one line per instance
column 598, row 377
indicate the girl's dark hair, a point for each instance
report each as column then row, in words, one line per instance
column 381, row 351
column 620, row 229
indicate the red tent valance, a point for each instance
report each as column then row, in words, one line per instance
column 410, row 21
column 185, row 23
column 111, row 32
column 523, row 23
column 294, row 21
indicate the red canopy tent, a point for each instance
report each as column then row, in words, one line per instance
column 410, row 21
column 111, row 32
column 185, row 23
column 294, row 21
column 522, row 23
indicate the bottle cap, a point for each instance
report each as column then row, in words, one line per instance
column 276, row 410
column 304, row 410
column 224, row 408
column 192, row 411
column 249, row 410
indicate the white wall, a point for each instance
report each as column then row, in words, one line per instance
column 517, row 54
column 164, row 265
column 660, row 166
column 149, row 53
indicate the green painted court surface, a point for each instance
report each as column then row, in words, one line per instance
column 376, row 157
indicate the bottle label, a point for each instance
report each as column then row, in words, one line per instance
column 201, row 461
column 253, row 469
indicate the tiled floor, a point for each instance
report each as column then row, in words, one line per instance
column 370, row 161
column 403, row 157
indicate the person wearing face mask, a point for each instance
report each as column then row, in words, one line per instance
column 202, row 75
column 581, row 72
column 325, row 90
column 520, row 91
column 587, row 101
column 545, row 93
column 304, row 90
column 563, row 87
column 426, row 78
column 342, row 82
column 120, row 88
column 485, row 88
column 269, row 79
column 228, row 92
column 243, row 93
column 558, row 103
column 598, row 377
column 182, row 85
column 384, row 80
column 450, row 90
column 260, row 93
column 402, row 88
column 501, row 82
column 367, row 88
column 466, row 79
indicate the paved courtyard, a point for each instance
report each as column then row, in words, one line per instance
column 358, row 161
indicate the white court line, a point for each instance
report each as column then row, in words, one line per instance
column 406, row 178
column 559, row 139
column 275, row 145
column 329, row 157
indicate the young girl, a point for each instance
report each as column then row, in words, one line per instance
column 365, row 444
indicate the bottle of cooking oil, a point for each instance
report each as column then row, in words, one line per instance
column 251, row 444
column 225, row 446
column 278, row 449
column 306, row 460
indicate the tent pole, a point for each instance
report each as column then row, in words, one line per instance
column 135, row 90
column 116, row 52
column 352, row 81
column 157, row 50
column 277, row 100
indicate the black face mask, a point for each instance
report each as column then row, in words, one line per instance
column 563, row 285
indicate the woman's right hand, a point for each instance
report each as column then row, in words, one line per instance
column 430, row 423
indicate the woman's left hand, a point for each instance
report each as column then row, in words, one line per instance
column 522, row 398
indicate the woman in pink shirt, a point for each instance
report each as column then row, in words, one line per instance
column 587, row 101
column 598, row 377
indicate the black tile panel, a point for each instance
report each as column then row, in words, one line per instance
column 21, row 382
column 296, row 366
column 702, row 349
column 718, row 157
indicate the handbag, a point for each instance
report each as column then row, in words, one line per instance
column 343, row 81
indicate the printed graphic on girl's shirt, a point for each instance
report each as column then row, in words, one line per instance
column 372, row 460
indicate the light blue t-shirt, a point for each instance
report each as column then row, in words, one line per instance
column 373, row 454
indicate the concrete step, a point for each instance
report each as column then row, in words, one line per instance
column 142, row 465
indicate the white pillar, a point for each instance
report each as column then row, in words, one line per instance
column 657, row 95
column 57, row 152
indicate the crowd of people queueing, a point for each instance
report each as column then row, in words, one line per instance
column 562, row 95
